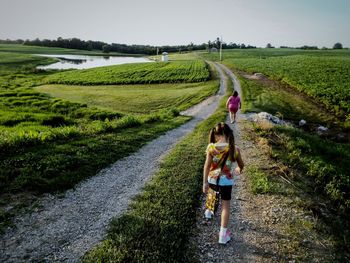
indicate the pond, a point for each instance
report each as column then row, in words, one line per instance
column 84, row 62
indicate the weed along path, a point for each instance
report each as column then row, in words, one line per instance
column 64, row 228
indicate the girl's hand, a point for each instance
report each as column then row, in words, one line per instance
column 205, row 188
column 237, row 171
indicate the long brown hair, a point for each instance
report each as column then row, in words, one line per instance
column 223, row 129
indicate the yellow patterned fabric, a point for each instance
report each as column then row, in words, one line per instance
column 218, row 154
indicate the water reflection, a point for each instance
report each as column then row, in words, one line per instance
column 84, row 62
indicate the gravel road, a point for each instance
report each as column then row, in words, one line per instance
column 238, row 249
column 64, row 228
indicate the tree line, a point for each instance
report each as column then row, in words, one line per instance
column 76, row 43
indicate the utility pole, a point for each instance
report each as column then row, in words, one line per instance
column 221, row 49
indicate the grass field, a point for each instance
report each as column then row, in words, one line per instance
column 134, row 98
column 321, row 74
column 287, row 104
column 51, row 142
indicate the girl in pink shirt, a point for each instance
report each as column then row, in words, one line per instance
column 233, row 104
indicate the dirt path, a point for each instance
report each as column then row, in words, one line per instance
column 243, row 246
column 207, row 239
column 63, row 229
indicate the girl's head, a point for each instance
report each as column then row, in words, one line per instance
column 222, row 130
column 235, row 94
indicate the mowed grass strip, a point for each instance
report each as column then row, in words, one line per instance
column 136, row 73
column 135, row 98
column 161, row 219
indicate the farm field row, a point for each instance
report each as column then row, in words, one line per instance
column 138, row 73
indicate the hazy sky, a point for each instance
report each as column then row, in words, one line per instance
column 165, row 22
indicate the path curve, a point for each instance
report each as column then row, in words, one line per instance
column 65, row 228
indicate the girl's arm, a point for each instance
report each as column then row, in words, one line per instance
column 206, row 169
column 239, row 162
column 227, row 102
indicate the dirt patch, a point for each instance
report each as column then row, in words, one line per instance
column 255, row 76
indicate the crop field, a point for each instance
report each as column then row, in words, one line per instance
column 138, row 73
column 324, row 75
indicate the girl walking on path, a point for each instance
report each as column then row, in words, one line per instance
column 232, row 104
column 222, row 147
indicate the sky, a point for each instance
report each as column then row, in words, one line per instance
column 179, row 22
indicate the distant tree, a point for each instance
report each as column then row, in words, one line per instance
column 338, row 46
column 106, row 48
column 269, row 45
column 218, row 42
column 209, row 45
column 190, row 46
column 308, row 47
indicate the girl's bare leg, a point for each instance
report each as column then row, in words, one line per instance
column 231, row 117
column 225, row 214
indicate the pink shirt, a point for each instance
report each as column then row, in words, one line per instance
column 233, row 102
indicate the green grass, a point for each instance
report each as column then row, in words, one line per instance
column 136, row 73
column 318, row 171
column 259, row 182
column 288, row 104
column 49, row 144
column 324, row 75
column 18, row 63
column 134, row 98
column 60, row 163
column 325, row 162
column 41, row 135
column 161, row 219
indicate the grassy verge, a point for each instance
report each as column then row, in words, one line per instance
column 318, row 183
column 158, row 225
column 285, row 103
column 259, row 181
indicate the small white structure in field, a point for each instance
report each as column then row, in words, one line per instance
column 165, row 56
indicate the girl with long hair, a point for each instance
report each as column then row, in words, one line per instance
column 223, row 161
